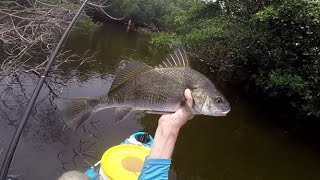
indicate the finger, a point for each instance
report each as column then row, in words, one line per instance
column 187, row 94
column 187, row 109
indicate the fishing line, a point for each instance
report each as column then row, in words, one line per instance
column 14, row 142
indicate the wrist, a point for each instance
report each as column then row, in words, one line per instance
column 168, row 129
column 164, row 141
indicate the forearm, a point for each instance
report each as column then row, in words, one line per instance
column 164, row 142
column 157, row 165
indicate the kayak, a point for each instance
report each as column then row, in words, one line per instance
column 123, row 161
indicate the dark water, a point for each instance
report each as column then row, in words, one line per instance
column 239, row 146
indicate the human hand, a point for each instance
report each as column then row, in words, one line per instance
column 180, row 117
column 168, row 129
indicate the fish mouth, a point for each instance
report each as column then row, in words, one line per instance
column 224, row 113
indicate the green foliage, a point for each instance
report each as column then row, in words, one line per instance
column 86, row 22
column 197, row 13
column 219, row 29
column 289, row 83
column 268, row 12
column 287, row 40
column 146, row 12
column 275, row 42
column 166, row 39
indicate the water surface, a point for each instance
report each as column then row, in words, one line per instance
column 239, row 146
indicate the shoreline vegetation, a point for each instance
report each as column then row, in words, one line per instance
column 271, row 48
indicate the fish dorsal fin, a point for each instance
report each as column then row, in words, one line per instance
column 131, row 70
column 178, row 58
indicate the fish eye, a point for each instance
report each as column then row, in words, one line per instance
column 218, row 100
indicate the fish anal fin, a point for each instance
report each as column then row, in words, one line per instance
column 178, row 58
column 132, row 69
column 121, row 114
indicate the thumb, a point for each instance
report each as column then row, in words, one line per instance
column 187, row 94
column 187, row 109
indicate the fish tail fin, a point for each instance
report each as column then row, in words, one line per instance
column 76, row 111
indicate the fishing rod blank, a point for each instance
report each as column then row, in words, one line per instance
column 14, row 142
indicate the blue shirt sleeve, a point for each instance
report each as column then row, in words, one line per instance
column 155, row 169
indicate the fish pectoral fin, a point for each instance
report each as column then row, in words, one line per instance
column 121, row 113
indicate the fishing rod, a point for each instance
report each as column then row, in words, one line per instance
column 14, row 142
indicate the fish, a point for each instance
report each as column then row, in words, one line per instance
column 156, row 90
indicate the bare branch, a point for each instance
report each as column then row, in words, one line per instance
column 110, row 15
column 30, row 32
column 98, row 5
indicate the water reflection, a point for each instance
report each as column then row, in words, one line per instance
column 113, row 45
column 234, row 147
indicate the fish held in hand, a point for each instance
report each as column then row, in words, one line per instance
column 156, row 90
